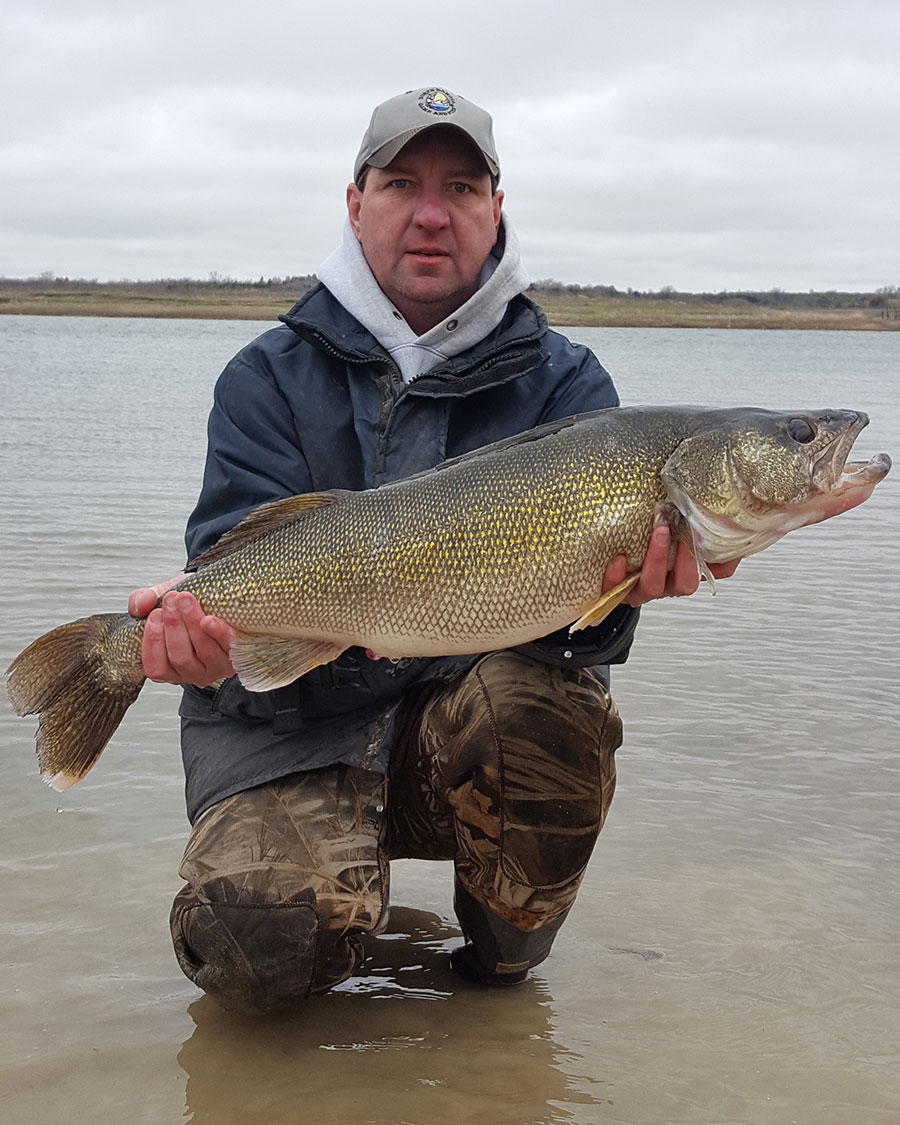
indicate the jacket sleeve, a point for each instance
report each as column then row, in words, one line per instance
column 583, row 384
column 253, row 453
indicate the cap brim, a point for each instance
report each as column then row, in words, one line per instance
column 388, row 151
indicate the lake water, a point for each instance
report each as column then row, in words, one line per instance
column 733, row 955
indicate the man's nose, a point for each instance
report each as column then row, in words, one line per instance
column 430, row 210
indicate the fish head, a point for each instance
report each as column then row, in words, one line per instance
column 752, row 476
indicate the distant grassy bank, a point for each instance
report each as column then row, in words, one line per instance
column 687, row 311
column 597, row 306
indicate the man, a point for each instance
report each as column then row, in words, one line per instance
column 416, row 346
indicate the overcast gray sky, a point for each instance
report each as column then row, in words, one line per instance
column 693, row 143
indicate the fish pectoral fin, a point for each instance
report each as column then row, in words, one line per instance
column 606, row 604
column 684, row 533
column 262, row 520
column 263, row 662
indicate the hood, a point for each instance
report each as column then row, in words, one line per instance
column 346, row 274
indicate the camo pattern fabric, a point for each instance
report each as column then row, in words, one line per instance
column 281, row 880
column 509, row 772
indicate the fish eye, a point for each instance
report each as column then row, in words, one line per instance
column 801, row 430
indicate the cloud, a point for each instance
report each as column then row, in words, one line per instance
column 684, row 143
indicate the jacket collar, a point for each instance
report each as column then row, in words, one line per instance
column 513, row 348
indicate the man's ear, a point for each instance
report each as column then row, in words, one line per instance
column 498, row 206
column 354, row 203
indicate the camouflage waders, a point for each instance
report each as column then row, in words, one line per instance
column 509, row 772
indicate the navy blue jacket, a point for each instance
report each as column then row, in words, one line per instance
column 317, row 403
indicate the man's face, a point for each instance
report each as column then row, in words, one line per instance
column 426, row 224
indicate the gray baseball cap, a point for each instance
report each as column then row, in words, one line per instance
column 396, row 121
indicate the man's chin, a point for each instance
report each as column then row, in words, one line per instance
column 425, row 302
column 432, row 291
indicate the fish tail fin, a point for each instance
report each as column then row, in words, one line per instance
column 80, row 679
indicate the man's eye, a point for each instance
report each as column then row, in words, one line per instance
column 399, row 183
column 461, row 189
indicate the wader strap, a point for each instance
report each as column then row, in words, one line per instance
column 287, row 717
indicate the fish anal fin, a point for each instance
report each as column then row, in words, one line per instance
column 262, row 520
column 606, row 603
column 264, row 662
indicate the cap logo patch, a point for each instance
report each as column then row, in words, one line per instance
column 437, row 101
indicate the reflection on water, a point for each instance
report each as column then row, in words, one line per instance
column 733, row 953
column 419, row 1045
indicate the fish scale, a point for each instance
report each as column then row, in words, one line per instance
column 410, row 586
column 495, row 548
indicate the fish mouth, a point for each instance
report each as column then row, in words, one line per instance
column 845, row 484
column 858, row 474
column 832, row 472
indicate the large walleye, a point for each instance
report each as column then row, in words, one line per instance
column 492, row 549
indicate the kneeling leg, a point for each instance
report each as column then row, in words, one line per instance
column 281, row 880
column 512, row 771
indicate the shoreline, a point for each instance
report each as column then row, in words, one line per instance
column 562, row 309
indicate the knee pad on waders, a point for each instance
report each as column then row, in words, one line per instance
column 254, row 958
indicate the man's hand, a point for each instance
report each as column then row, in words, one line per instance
column 658, row 580
column 182, row 644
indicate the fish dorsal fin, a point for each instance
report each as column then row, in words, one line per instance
column 541, row 431
column 262, row 520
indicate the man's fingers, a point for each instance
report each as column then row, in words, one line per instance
column 214, row 650
column 143, row 600
column 183, row 645
column 220, row 632
column 176, row 609
column 654, row 570
column 191, row 649
column 725, row 569
column 614, row 573
column 154, row 656
column 685, row 578
column 665, row 573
